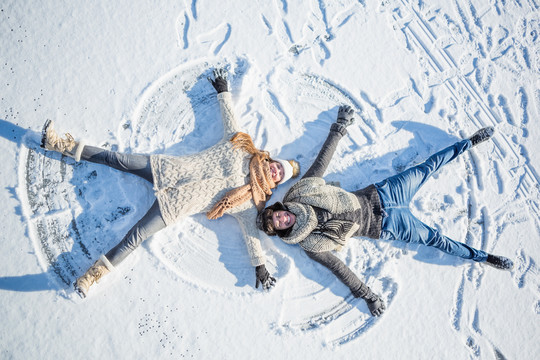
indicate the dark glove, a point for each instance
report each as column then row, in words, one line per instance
column 264, row 278
column 375, row 305
column 345, row 115
column 220, row 82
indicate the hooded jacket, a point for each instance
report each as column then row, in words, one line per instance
column 326, row 215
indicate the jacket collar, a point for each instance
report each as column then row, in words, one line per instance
column 306, row 221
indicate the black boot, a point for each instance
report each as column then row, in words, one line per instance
column 500, row 262
column 482, row 135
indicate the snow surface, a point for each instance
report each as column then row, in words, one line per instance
column 130, row 76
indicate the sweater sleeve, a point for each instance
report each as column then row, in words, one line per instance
column 247, row 219
column 342, row 272
column 230, row 125
column 317, row 169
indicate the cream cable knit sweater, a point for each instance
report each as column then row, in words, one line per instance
column 187, row 185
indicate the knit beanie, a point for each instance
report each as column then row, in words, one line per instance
column 291, row 168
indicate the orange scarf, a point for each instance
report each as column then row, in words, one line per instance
column 260, row 180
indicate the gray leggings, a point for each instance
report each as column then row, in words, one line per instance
column 152, row 221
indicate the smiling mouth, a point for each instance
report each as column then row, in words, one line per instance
column 287, row 220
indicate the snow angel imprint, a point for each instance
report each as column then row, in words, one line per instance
column 232, row 177
column 321, row 217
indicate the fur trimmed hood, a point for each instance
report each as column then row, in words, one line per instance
column 306, row 221
column 314, row 192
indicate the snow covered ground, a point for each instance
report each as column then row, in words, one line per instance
column 131, row 75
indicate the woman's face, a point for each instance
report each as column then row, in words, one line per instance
column 283, row 219
column 276, row 170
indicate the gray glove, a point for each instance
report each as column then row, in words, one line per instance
column 375, row 305
column 220, row 82
column 264, row 278
column 345, row 115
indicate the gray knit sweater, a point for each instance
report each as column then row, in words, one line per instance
column 187, row 185
column 327, row 216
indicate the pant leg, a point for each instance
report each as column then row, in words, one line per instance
column 401, row 224
column 136, row 164
column 147, row 226
column 399, row 189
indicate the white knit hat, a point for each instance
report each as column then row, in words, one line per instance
column 287, row 170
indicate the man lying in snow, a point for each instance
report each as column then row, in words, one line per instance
column 232, row 177
column 321, row 217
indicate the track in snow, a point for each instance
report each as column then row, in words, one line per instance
column 434, row 35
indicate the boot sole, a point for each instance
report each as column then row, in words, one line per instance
column 44, row 132
column 490, row 130
column 79, row 291
column 500, row 267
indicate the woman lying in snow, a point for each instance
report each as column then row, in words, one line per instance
column 321, row 217
column 231, row 177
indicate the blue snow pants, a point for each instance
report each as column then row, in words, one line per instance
column 152, row 221
column 399, row 223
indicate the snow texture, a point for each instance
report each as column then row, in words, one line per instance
column 131, row 76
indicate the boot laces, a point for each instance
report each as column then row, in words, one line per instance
column 97, row 272
column 93, row 275
column 59, row 143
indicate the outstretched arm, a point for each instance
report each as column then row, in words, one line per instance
column 337, row 131
column 230, row 125
column 345, row 275
column 247, row 220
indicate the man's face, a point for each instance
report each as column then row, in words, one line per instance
column 276, row 170
column 283, row 219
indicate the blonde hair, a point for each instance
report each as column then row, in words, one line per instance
column 296, row 167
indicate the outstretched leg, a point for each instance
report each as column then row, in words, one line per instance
column 135, row 164
column 398, row 223
column 401, row 224
column 148, row 225
column 131, row 163
column 398, row 190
